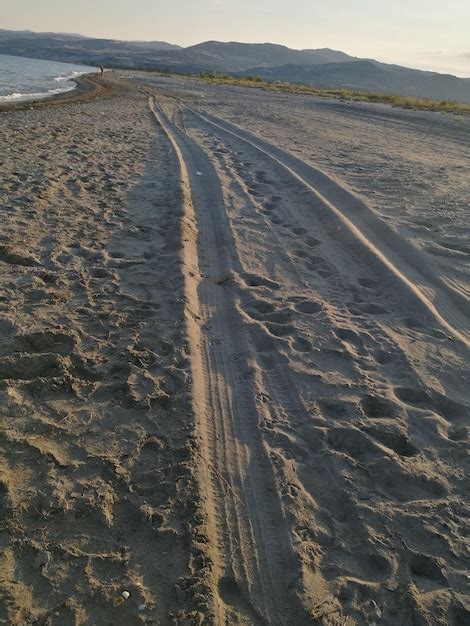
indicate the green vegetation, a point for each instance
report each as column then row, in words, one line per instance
column 405, row 102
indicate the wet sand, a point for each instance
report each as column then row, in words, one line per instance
column 233, row 366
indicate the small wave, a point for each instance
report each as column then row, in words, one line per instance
column 69, row 76
column 33, row 96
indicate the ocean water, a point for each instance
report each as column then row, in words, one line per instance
column 24, row 79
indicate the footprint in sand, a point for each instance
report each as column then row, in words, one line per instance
column 377, row 407
column 298, row 230
column 337, row 409
column 383, row 357
column 349, row 336
column 263, row 311
column 233, row 596
column 352, row 442
column 301, row 254
column 368, row 283
column 300, row 344
column 31, row 367
column 312, row 242
column 393, row 436
column 316, row 264
column 279, row 330
column 15, row 256
column 420, row 398
column 426, row 573
column 373, row 309
column 254, row 280
column 50, row 341
column 309, row 307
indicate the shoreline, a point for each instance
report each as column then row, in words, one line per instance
column 91, row 84
column 88, row 86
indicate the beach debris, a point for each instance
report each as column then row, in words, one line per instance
column 125, row 595
column 199, row 173
column 376, row 611
column 142, row 607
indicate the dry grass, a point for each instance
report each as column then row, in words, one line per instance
column 405, row 102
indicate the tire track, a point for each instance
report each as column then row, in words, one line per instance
column 255, row 565
column 449, row 307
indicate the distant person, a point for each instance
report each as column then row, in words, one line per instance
column 101, row 70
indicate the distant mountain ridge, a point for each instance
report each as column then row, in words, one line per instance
column 242, row 56
column 75, row 48
column 371, row 76
column 321, row 67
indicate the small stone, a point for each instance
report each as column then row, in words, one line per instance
column 376, row 610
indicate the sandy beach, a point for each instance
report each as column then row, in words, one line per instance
column 234, row 359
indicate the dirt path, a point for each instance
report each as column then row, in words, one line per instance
column 317, row 340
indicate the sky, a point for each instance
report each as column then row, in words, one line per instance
column 427, row 34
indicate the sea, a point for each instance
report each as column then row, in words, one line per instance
column 22, row 78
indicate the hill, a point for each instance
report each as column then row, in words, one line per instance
column 233, row 56
column 321, row 67
column 371, row 76
column 79, row 49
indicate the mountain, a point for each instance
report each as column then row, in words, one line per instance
column 332, row 56
column 211, row 56
column 70, row 48
column 321, row 67
column 371, row 76
column 233, row 56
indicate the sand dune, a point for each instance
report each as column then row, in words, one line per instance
column 230, row 384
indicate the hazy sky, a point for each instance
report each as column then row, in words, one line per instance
column 429, row 34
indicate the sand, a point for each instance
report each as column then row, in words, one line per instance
column 233, row 367
column 97, row 493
